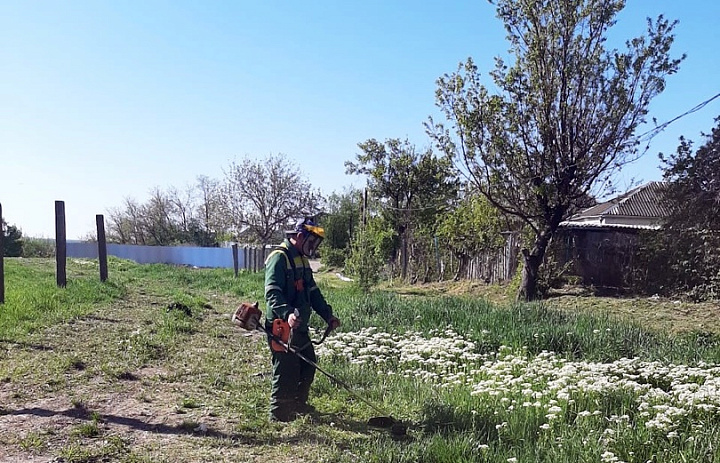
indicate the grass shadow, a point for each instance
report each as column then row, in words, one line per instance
column 28, row 345
column 445, row 419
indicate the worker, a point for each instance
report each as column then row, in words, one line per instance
column 291, row 295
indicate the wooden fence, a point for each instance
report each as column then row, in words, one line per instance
column 496, row 265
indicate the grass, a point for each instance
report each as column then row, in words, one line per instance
column 147, row 367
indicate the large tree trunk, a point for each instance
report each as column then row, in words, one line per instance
column 530, row 272
column 462, row 266
column 531, row 268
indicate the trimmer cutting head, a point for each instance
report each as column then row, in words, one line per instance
column 397, row 428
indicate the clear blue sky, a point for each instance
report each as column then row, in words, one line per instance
column 102, row 100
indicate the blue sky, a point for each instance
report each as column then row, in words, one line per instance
column 104, row 100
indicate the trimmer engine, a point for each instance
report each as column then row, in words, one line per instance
column 247, row 316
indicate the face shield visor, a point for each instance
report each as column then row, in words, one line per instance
column 310, row 243
column 311, row 236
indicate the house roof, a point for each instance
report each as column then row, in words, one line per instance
column 640, row 207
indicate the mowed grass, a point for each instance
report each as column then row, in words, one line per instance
column 147, row 367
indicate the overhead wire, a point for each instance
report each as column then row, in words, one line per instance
column 650, row 134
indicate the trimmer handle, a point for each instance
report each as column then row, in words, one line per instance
column 296, row 312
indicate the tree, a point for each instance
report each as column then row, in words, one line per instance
column 472, row 227
column 125, row 223
column 412, row 186
column 340, row 221
column 12, row 240
column 160, row 221
column 371, row 246
column 266, row 195
column 169, row 217
column 688, row 246
column 209, row 209
column 563, row 121
column 694, row 182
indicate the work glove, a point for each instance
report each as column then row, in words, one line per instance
column 294, row 319
column 333, row 323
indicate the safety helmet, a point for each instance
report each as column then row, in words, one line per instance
column 312, row 235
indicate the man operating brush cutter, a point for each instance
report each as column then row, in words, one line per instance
column 291, row 296
column 248, row 317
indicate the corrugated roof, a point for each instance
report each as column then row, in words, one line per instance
column 586, row 225
column 644, row 201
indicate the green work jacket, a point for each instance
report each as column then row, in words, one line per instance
column 287, row 289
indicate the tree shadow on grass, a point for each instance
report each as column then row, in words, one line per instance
column 305, row 434
column 82, row 413
column 27, row 345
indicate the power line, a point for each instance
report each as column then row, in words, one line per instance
column 410, row 209
column 653, row 132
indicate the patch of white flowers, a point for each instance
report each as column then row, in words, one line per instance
column 444, row 357
column 662, row 397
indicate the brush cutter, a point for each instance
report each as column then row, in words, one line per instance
column 247, row 316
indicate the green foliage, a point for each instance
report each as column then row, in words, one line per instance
column 370, row 249
column 471, row 227
column 332, row 257
column 413, row 189
column 340, row 223
column 38, row 247
column 678, row 261
column 684, row 255
column 12, row 240
column 563, row 118
column 694, row 183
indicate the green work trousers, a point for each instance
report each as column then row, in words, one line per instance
column 292, row 378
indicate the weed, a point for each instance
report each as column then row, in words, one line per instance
column 33, row 442
column 89, row 430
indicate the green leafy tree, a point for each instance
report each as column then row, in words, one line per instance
column 564, row 116
column 411, row 186
column 688, row 245
column 371, row 247
column 693, row 192
column 472, row 227
column 340, row 221
column 12, row 240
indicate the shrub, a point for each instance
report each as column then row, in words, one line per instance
column 38, row 247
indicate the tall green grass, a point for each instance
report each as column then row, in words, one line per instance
column 33, row 300
column 534, row 327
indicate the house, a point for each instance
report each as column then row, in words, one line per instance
column 600, row 242
column 639, row 208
